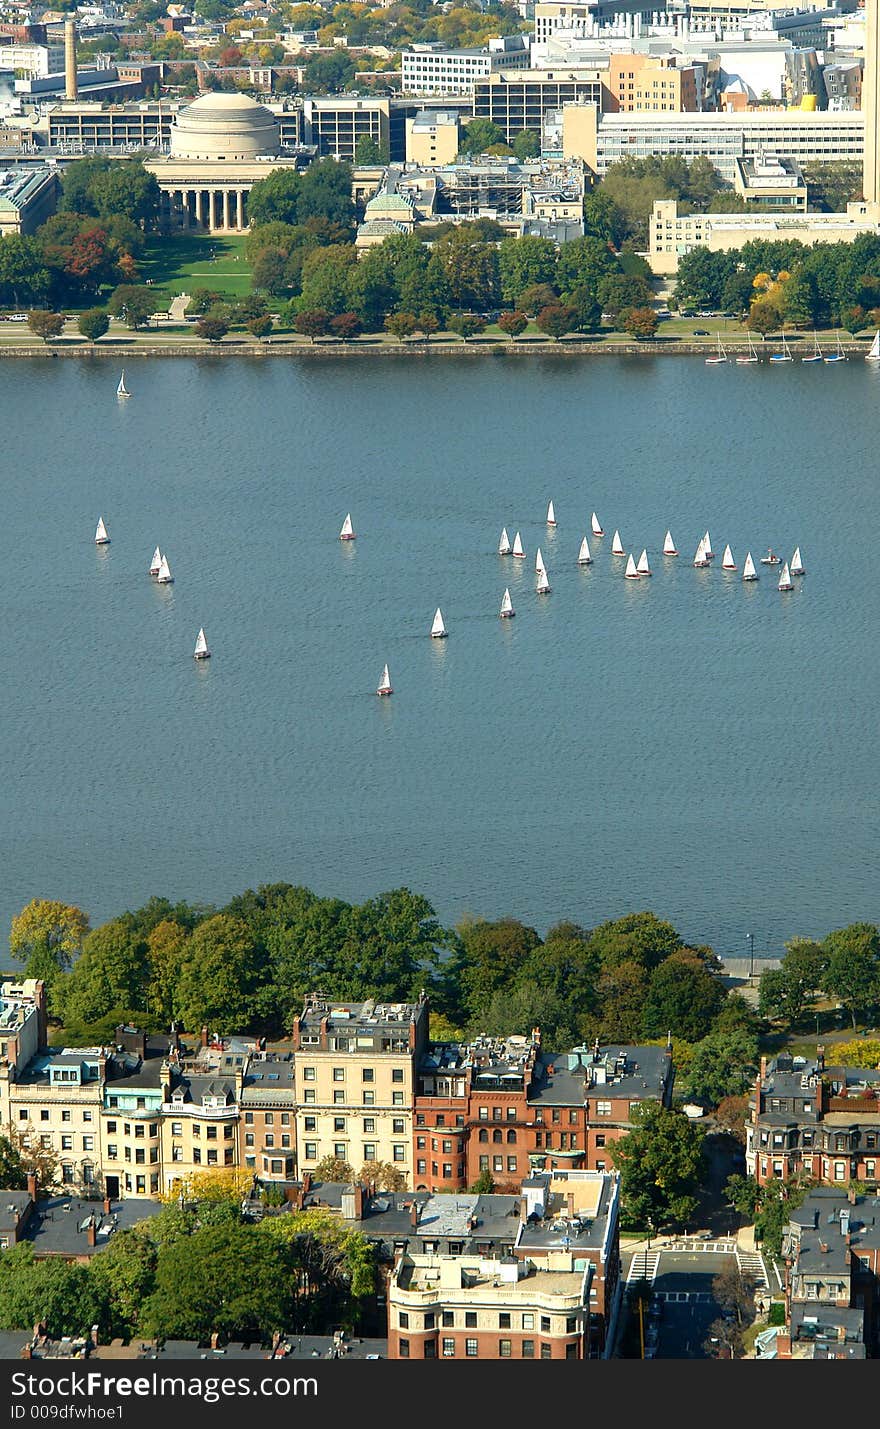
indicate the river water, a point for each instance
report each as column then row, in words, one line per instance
column 686, row 743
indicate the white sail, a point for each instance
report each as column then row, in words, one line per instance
column 539, row 562
column 201, row 651
column 156, row 562
column 617, row 545
column 584, row 557
column 506, row 606
column 504, row 543
column 642, row 565
column 785, row 581
column 551, row 515
column 384, row 687
column 727, row 561
column 669, row 545
column 101, row 537
column 595, row 525
column 347, row 532
column 518, row 545
column 873, row 353
column 438, row 629
column 749, row 572
column 122, row 390
column 796, row 567
column 701, row 559
column 542, row 585
column 632, row 571
column 707, row 548
column 164, row 576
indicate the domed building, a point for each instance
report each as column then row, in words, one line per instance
column 221, row 145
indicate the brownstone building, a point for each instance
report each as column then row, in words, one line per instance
column 806, row 1118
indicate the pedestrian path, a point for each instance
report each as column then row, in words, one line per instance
column 684, row 1297
column 752, row 1264
column 703, row 1247
column 643, row 1266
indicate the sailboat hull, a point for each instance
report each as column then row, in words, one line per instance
column 202, row 655
column 507, row 614
column 439, row 634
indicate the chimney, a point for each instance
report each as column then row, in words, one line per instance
column 523, row 1208
column 91, row 1234
column 32, row 1185
column 215, row 1339
column 841, row 1333
column 306, row 1182
column 71, row 88
column 204, row 1037
column 851, row 1195
column 414, row 1211
column 569, row 1201
column 763, row 1068
column 358, row 1201
column 106, row 1206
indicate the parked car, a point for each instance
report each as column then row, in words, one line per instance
column 701, row 332
column 16, row 317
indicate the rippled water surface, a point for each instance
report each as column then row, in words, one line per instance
column 688, row 743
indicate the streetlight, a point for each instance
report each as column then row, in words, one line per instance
column 751, row 938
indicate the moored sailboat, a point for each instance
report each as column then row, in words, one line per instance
column 669, row 545
column 518, row 545
column 201, row 651
column 507, row 611
column 617, row 545
column 438, row 629
column 838, row 355
column 753, row 353
column 796, row 565
column 721, row 355
column 101, row 537
column 749, row 572
column 642, row 565
column 595, row 525
column 815, row 355
column 632, row 570
column 347, row 532
column 727, row 561
column 504, row 543
column 584, row 557
column 384, row 686
column 784, row 355
column 785, row 580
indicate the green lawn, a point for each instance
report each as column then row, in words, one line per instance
column 188, row 261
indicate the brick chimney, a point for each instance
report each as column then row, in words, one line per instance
column 414, row 1212
column 204, row 1037
column 106, row 1206
column 358, row 1200
column 852, row 1195
column 306, row 1182
column 91, row 1233
column 215, row 1339
column 523, row 1208
column 32, row 1185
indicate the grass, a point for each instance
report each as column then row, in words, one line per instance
column 188, row 261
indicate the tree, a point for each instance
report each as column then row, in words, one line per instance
column 93, row 323
column 470, row 268
column 526, row 144
column 367, row 152
column 202, row 300
column 333, row 1168
column 229, row 1277
column 211, row 329
column 328, row 73
column 486, row 959
column 618, row 291
column 587, row 312
column 556, row 320
column 134, row 304
column 522, row 263
column 24, row 276
column 536, row 297
column 735, row 1292
column 683, row 997
column 325, row 193
column 166, row 951
column 111, row 973
column 584, row 262
column 13, row 1176
column 327, row 275
column 661, row 1164
column 769, row 1206
column 480, row 135
column 621, row 991
column 863, row 1052
column 270, row 271
column 736, row 295
column 52, row 1292
column 315, row 323
column 514, row 324
column 799, row 305
column 639, row 322
column 401, row 325
column 467, row 325
column 106, row 188
column 46, row 936
column 219, row 979
column 384, row 1174
column 484, row 1185
column 46, row 325
column 346, row 326
column 260, row 327
column 853, row 971
column 723, row 1066
column 637, row 937
column 427, row 325
column 603, row 219
column 765, row 315
column 275, row 199
column 123, row 1277
column 724, row 1340
column 731, row 1115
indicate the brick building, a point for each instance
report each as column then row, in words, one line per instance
column 806, row 1118
column 832, row 1259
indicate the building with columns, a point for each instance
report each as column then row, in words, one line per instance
column 220, row 146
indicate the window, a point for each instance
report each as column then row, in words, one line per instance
column 429, row 1320
column 403, row 1320
column 484, row 1113
column 197, row 1156
column 67, row 1143
column 528, row 1322
column 511, row 1138
column 44, row 1113
column 397, row 1074
column 285, row 1118
column 528, row 1349
column 112, row 1151
column 421, row 1167
column 602, row 1109
column 140, row 1156
column 177, row 1128
column 211, row 1133
column 177, row 1153
column 67, row 1175
column 571, row 1352
column 369, row 1150
column 370, row 1125
column 339, row 1098
column 504, row 1349
column 197, row 1130
column 212, row 1157
column 308, row 1074
column 369, row 1098
column 338, row 1125
column 440, row 1119
column 497, row 1136
column 368, row 1075
column 600, row 1139
column 398, row 1127
column 339, row 1074
column 448, row 1349
column 511, row 1164
column 571, row 1325
column 470, row 1319
column 398, row 1152
column 497, row 1163
column 87, row 1116
column 397, row 1098
column 403, row 1349
column 46, row 1141
column 470, row 1349
column 420, row 1120
column 340, row 1150
column 545, row 1324
column 557, row 1115
column 430, row 1349
column 270, row 1140
column 447, row 1175
column 839, row 1171
column 484, row 1163
column 310, row 1151
column 483, row 1134
column 504, row 1321
column 573, row 1116
column 546, row 1352
column 496, row 1113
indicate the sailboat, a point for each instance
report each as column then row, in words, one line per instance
column 384, row 686
column 701, row 559
column 632, row 570
column 669, row 545
column 518, row 545
column 771, row 558
column 156, row 562
column 642, row 565
column 727, row 561
column 617, row 545
column 839, row 355
column 347, row 532
column 815, row 355
column 504, row 543
column 584, row 557
column 785, row 580
column 122, row 390
column 507, row 611
column 749, row 572
column 551, row 515
column 707, row 548
column 796, row 566
column 784, row 355
column 753, row 353
column 201, row 651
column 873, row 353
column 539, row 562
column 101, row 537
column 542, row 585
column 438, row 629
column 595, row 525
column 721, row 354
column 164, row 576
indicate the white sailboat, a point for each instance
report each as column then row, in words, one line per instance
column 838, row 355
column 595, row 525
column 796, row 565
column 753, row 353
column 507, row 611
column 347, row 532
column 542, row 585
column 122, row 390
column 551, row 515
column 749, row 572
column 727, row 561
column 384, row 686
column 784, row 355
column 707, row 548
column 164, row 576
column 101, row 537
column 632, row 570
column 771, row 558
column 642, row 565
column 617, row 545
column 873, row 353
column 584, row 557
column 785, row 580
column 156, row 562
column 518, row 545
column 539, row 562
column 201, row 651
column 721, row 355
column 504, row 543
column 701, row 559
column 815, row 355
column 438, row 629
column 669, row 545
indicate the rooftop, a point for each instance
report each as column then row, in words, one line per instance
column 59, row 1224
column 470, row 1277
column 370, row 1015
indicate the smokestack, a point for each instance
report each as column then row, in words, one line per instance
column 71, row 89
